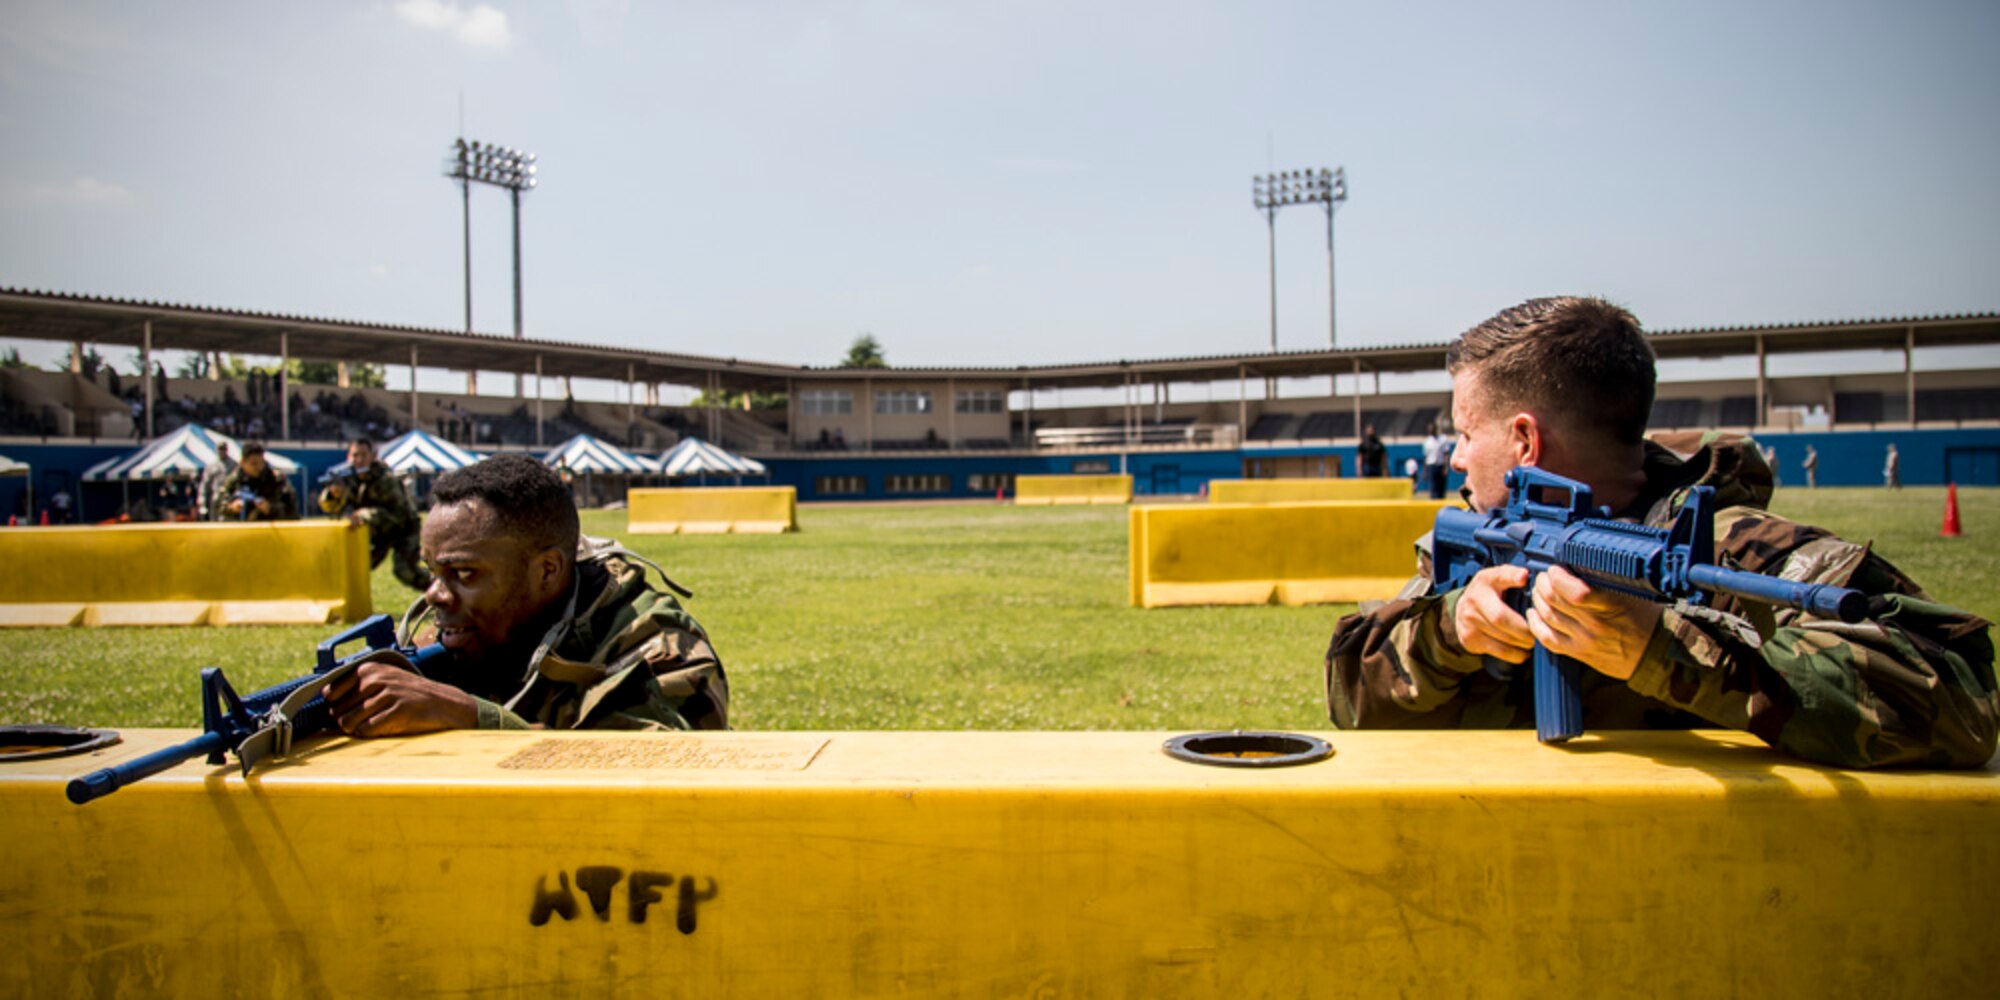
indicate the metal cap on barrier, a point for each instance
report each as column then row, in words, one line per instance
column 43, row 742
column 1253, row 749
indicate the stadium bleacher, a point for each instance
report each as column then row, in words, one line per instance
column 1738, row 411
column 1418, row 422
column 1958, row 404
column 1324, row 424
column 1270, row 426
column 1858, row 408
column 1672, row 413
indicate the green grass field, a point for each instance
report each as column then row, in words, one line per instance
column 931, row 617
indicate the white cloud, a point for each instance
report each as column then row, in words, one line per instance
column 378, row 271
column 85, row 191
column 480, row 26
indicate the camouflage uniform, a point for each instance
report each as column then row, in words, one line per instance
column 271, row 487
column 377, row 499
column 624, row 656
column 1911, row 685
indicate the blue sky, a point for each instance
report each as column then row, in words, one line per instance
column 1004, row 183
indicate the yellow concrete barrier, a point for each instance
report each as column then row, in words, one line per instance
column 1305, row 553
column 1000, row 864
column 224, row 573
column 713, row 510
column 1307, row 490
column 1030, row 491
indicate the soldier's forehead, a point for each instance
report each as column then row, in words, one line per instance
column 468, row 529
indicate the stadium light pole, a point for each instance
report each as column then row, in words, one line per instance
column 502, row 167
column 1322, row 186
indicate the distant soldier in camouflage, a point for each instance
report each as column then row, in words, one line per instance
column 256, row 486
column 371, row 494
column 1567, row 385
column 544, row 628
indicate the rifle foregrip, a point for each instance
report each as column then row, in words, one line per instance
column 97, row 784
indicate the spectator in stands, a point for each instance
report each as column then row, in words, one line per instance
column 211, row 482
column 1374, row 457
column 370, row 494
column 1892, row 468
column 1566, row 385
column 542, row 627
column 255, row 492
column 1436, row 451
column 1811, row 465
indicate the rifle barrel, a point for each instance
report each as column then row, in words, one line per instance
column 97, row 784
column 1821, row 599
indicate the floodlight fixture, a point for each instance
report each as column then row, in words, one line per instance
column 1320, row 186
column 470, row 162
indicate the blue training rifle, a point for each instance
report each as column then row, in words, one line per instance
column 262, row 724
column 1549, row 521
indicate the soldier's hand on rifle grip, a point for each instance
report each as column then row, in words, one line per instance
column 1486, row 625
column 381, row 699
column 1602, row 629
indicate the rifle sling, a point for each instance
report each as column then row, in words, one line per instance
column 273, row 737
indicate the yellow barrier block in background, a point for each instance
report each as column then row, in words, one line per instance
column 222, row 573
column 1307, row 490
column 1000, row 864
column 1031, row 491
column 713, row 510
column 1305, row 553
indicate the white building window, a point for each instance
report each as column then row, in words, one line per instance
column 839, row 485
column 982, row 401
column 903, row 401
column 826, row 402
column 916, row 484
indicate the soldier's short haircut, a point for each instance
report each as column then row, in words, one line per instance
column 528, row 500
column 369, row 441
column 1583, row 360
column 252, row 448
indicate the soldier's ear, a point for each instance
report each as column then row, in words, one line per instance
column 549, row 565
column 1524, row 438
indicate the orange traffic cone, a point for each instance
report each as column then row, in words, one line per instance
column 45, row 518
column 13, row 520
column 1951, row 525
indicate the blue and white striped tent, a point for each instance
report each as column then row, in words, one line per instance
column 695, row 457
column 587, row 455
column 421, row 453
column 185, row 452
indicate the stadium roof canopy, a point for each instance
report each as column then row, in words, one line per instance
column 55, row 316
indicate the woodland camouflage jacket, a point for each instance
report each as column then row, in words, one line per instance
column 1911, row 685
column 377, row 497
column 625, row 656
column 273, row 488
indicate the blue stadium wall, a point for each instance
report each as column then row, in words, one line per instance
column 1969, row 457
